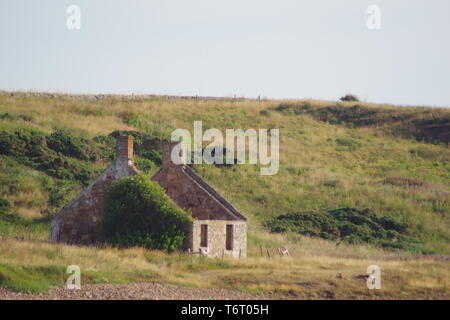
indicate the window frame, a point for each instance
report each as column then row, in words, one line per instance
column 229, row 237
column 204, row 235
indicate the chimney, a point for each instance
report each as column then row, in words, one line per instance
column 167, row 154
column 125, row 148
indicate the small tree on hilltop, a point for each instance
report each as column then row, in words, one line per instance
column 349, row 98
column 139, row 213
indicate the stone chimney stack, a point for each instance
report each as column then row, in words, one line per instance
column 125, row 148
column 167, row 154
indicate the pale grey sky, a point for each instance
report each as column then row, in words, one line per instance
column 279, row 48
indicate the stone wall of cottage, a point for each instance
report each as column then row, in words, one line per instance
column 191, row 193
column 79, row 222
column 216, row 242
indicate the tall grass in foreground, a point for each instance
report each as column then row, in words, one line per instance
column 31, row 266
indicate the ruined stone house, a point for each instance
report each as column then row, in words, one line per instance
column 218, row 228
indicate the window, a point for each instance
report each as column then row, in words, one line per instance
column 204, row 235
column 229, row 240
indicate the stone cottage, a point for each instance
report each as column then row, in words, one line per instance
column 218, row 229
column 79, row 221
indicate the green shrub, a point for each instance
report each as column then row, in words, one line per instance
column 390, row 223
column 61, row 192
column 152, row 155
column 23, row 144
column 293, row 108
column 67, row 157
column 30, row 148
column 349, row 97
column 351, row 225
column 13, row 116
column 423, row 125
column 144, row 165
column 5, row 206
column 139, row 213
column 62, row 141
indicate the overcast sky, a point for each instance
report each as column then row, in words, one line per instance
column 278, row 49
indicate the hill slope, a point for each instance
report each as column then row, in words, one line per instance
column 337, row 161
column 393, row 160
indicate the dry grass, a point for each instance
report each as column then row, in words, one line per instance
column 300, row 275
column 315, row 172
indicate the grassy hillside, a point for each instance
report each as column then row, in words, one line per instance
column 392, row 160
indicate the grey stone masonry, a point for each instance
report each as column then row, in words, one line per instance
column 190, row 192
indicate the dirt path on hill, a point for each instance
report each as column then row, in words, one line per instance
column 136, row 291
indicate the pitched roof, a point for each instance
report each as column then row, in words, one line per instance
column 213, row 193
column 161, row 175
